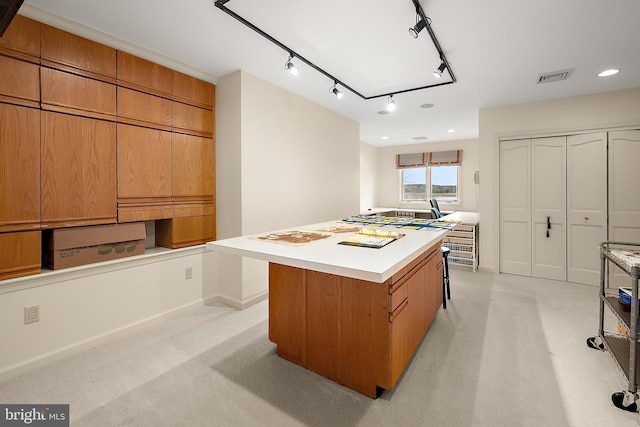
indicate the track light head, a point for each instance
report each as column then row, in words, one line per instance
column 290, row 67
column 438, row 73
column 415, row 30
column 337, row 92
column 391, row 104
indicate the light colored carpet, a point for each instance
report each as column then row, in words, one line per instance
column 508, row 351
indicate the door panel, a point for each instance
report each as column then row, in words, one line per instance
column 515, row 207
column 624, row 197
column 548, row 188
column 586, row 205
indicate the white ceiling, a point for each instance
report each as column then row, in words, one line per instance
column 496, row 48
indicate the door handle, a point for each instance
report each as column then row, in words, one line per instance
column 548, row 225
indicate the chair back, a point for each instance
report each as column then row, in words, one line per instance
column 436, row 213
column 434, row 203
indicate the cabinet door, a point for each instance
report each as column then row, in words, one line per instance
column 75, row 54
column 548, row 210
column 193, row 167
column 398, row 331
column 145, row 76
column 22, row 39
column 142, row 109
column 144, row 163
column 181, row 232
column 416, row 310
column 19, row 82
column 515, row 207
column 189, row 90
column 19, row 168
column 624, row 197
column 78, row 171
column 66, row 92
column 192, row 120
column 20, row 254
column 586, row 205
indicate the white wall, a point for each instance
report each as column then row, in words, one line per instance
column 388, row 178
column 82, row 307
column 282, row 161
column 368, row 176
column 603, row 111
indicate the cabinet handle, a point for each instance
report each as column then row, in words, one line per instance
column 548, row 225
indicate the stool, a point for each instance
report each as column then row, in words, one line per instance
column 446, row 290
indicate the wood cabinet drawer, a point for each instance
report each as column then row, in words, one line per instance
column 71, row 93
column 21, row 254
column 19, row 82
column 398, row 293
column 138, row 108
column 22, row 39
column 75, row 54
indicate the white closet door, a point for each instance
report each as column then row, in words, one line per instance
column 586, row 205
column 515, row 207
column 624, row 192
column 548, row 187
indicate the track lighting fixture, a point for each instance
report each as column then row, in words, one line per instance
column 438, row 73
column 290, row 67
column 337, row 92
column 391, row 104
column 422, row 22
column 417, row 28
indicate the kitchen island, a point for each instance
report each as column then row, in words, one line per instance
column 353, row 314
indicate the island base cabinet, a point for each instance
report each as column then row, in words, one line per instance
column 357, row 333
column 20, row 254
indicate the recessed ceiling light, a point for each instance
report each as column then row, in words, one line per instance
column 426, row 106
column 385, row 137
column 607, row 73
column 451, row 131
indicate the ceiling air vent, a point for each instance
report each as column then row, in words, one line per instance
column 554, row 76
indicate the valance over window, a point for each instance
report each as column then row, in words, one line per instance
column 411, row 160
column 445, row 158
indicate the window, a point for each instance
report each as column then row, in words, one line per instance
column 424, row 183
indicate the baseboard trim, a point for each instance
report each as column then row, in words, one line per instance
column 241, row 305
column 28, row 366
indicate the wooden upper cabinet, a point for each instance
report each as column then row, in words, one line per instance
column 19, row 82
column 189, row 90
column 22, row 39
column 19, row 168
column 78, row 171
column 144, row 163
column 142, row 109
column 192, row 120
column 76, row 94
column 193, row 167
column 75, row 54
column 145, row 76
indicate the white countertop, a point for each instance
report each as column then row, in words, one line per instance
column 327, row 256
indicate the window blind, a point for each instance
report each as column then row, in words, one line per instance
column 411, row 160
column 445, row 158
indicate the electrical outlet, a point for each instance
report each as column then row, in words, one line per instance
column 31, row 314
column 188, row 273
